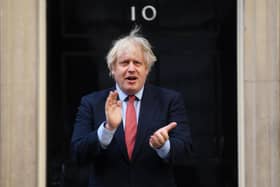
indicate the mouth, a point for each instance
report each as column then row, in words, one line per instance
column 131, row 78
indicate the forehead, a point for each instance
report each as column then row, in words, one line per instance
column 130, row 51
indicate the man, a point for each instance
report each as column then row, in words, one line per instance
column 132, row 134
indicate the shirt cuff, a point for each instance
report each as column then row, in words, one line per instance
column 105, row 136
column 163, row 152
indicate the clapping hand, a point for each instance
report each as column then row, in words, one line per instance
column 113, row 111
column 161, row 135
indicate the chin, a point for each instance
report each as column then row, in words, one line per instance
column 131, row 91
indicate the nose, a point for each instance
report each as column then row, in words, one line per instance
column 131, row 66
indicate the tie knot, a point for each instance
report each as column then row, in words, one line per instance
column 131, row 98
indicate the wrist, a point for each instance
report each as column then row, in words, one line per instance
column 107, row 126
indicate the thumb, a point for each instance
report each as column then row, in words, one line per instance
column 170, row 126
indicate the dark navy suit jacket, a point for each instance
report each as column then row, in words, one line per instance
column 111, row 167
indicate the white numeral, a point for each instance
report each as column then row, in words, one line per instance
column 144, row 13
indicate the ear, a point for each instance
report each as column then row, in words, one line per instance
column 112, row 71
column 112, row 74
column 147, row 70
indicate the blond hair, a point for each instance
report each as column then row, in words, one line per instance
column 133, row 38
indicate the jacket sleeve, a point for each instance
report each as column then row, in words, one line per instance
column 180, row 137
column 85, row 144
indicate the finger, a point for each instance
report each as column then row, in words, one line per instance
column 115, row 94
column 109, row 95
column 170, row 126
column 111, row 98
column 151, row 142
column 114, row 97
column 154, row 142
column 161, row 139
column 164, row 134
column 119, row 103
column 108, row 100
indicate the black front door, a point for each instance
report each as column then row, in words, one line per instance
column 195, row 42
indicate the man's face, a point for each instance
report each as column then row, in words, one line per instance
column 130, row 70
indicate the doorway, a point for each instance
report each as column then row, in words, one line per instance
column 195, row 42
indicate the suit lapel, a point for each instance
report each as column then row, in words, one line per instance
column 148, row 105
column 120, row 138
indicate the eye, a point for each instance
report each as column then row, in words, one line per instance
column 124, row 63
column 137, row 63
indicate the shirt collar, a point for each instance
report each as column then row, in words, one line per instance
column 123, row 95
